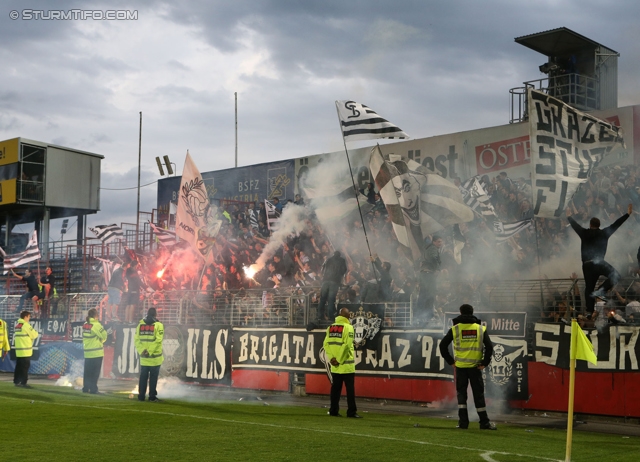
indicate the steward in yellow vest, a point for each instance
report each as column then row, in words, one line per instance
column 472, row 350
column 149, row 335
column 93, row 338
column 4, row 339
column 339, row 351
column 23, row 337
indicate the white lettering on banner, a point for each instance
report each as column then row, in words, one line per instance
column 357, row 357
column 297, row 343
column 192, row 343
column 554, row 329
column 427, row 348
column 439, row 355
column 56, row 326
column 205, row 352
column 372, row 358
column 628, row 348
column 255, row 342
column 385, row 355
column 405, row 358
column 566, row 145
column 251, row 185
column 127, row 361
column 284, row 350
column 221, row 353
column 611, row 362
column 273, row 348
column 309, row 356
column 502, row 154
column 243, row 355
column 77, row 332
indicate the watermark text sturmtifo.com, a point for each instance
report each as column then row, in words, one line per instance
column 70, row 15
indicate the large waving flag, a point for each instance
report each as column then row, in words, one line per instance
column 566, row 145
column 358, row 122
column 108, row 233
column 476, row 197
column 166, row 237
column 504, row 231
column 31, row 253
column 419, row 202
column 272, row 213
column 196, row 220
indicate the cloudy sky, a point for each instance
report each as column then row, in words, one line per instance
column 431, row 67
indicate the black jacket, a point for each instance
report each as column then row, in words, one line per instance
column 594, row 241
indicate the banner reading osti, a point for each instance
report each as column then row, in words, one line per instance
column 199, row 354
column 396, row 353
column 616, row 347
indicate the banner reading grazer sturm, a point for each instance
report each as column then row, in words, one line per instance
column 566, row 145
column 192, row 354
column 616, row 347
column 397, row 353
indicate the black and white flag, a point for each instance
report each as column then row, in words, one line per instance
column 108, row 267
column 108, row 233
column 272, row 213
column 166, row 237
column 475, row 196
column 566, row 145
column 31, row 253
column 358, row 122
column 419, row 202
column 504, row 231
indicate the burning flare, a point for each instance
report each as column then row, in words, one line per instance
column 160, row 273
column 250, row 271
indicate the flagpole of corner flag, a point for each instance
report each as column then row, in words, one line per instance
column 581, row 348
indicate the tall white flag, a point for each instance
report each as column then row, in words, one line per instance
column 358, row 122
column 196, row 220
column 566, row 145
column 31, row 253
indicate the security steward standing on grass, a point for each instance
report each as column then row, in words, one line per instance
column 4, row 339
column 339, row 348
column 93, row 338
column 23, row 337
column 469, row 338
column 149, row 335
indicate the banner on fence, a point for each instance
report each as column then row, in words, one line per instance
column 616, row 347
column 194, row 354
column 502, row 324
column 396, row 353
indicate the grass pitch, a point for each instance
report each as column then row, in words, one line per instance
column 49, row 423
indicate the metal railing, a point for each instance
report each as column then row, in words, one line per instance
column 577, row 90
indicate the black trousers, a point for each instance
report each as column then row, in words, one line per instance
column 148, row 374
column 328, row 294
column 592, row 270
column 92, row 367
column 464, row 377
column 21, row 373
column 336, row 390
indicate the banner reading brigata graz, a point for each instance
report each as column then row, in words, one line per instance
column 394, row 353
column 616, row 347
column 192, row 354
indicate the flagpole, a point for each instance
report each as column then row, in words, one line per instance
column 355, row 192
column 139, row 162
column 572, row 384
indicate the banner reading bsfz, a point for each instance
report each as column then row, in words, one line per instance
column 566, row 145
column 395, row 353
column 194, row 354
column 616, row 347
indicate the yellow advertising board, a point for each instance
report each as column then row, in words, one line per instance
column 8, row 192
column 9, row 151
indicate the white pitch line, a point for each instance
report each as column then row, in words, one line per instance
column 483, row 452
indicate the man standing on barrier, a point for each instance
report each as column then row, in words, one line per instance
column 593, row 249
column 339, row 348
column 148, row 339
column 334, row 269
column 23, row 337
column 469, row 339
column 93, row 338
column 430, row 264
column 33, row 291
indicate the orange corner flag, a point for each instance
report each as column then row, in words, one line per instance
column 581, row 347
